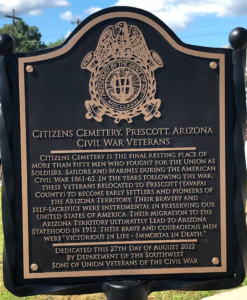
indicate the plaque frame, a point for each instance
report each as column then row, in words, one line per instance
column 24, row 61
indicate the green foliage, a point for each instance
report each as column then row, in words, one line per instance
column 57, row 43
column 27, row 38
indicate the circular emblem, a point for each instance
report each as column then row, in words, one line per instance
column 122, row 84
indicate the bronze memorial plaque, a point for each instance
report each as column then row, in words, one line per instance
column 123, row 171
column 125, row 165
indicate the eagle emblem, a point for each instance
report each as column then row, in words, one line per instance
column 122, row 83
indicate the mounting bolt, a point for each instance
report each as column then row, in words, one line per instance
column 29, row 69
column 213, row 65
column 34, row 267
column 215, row 261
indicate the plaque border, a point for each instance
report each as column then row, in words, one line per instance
column 21, row 63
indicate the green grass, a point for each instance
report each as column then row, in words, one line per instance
column 168, row 295
column 179, row 295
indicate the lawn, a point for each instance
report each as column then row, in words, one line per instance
column 168, row 295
